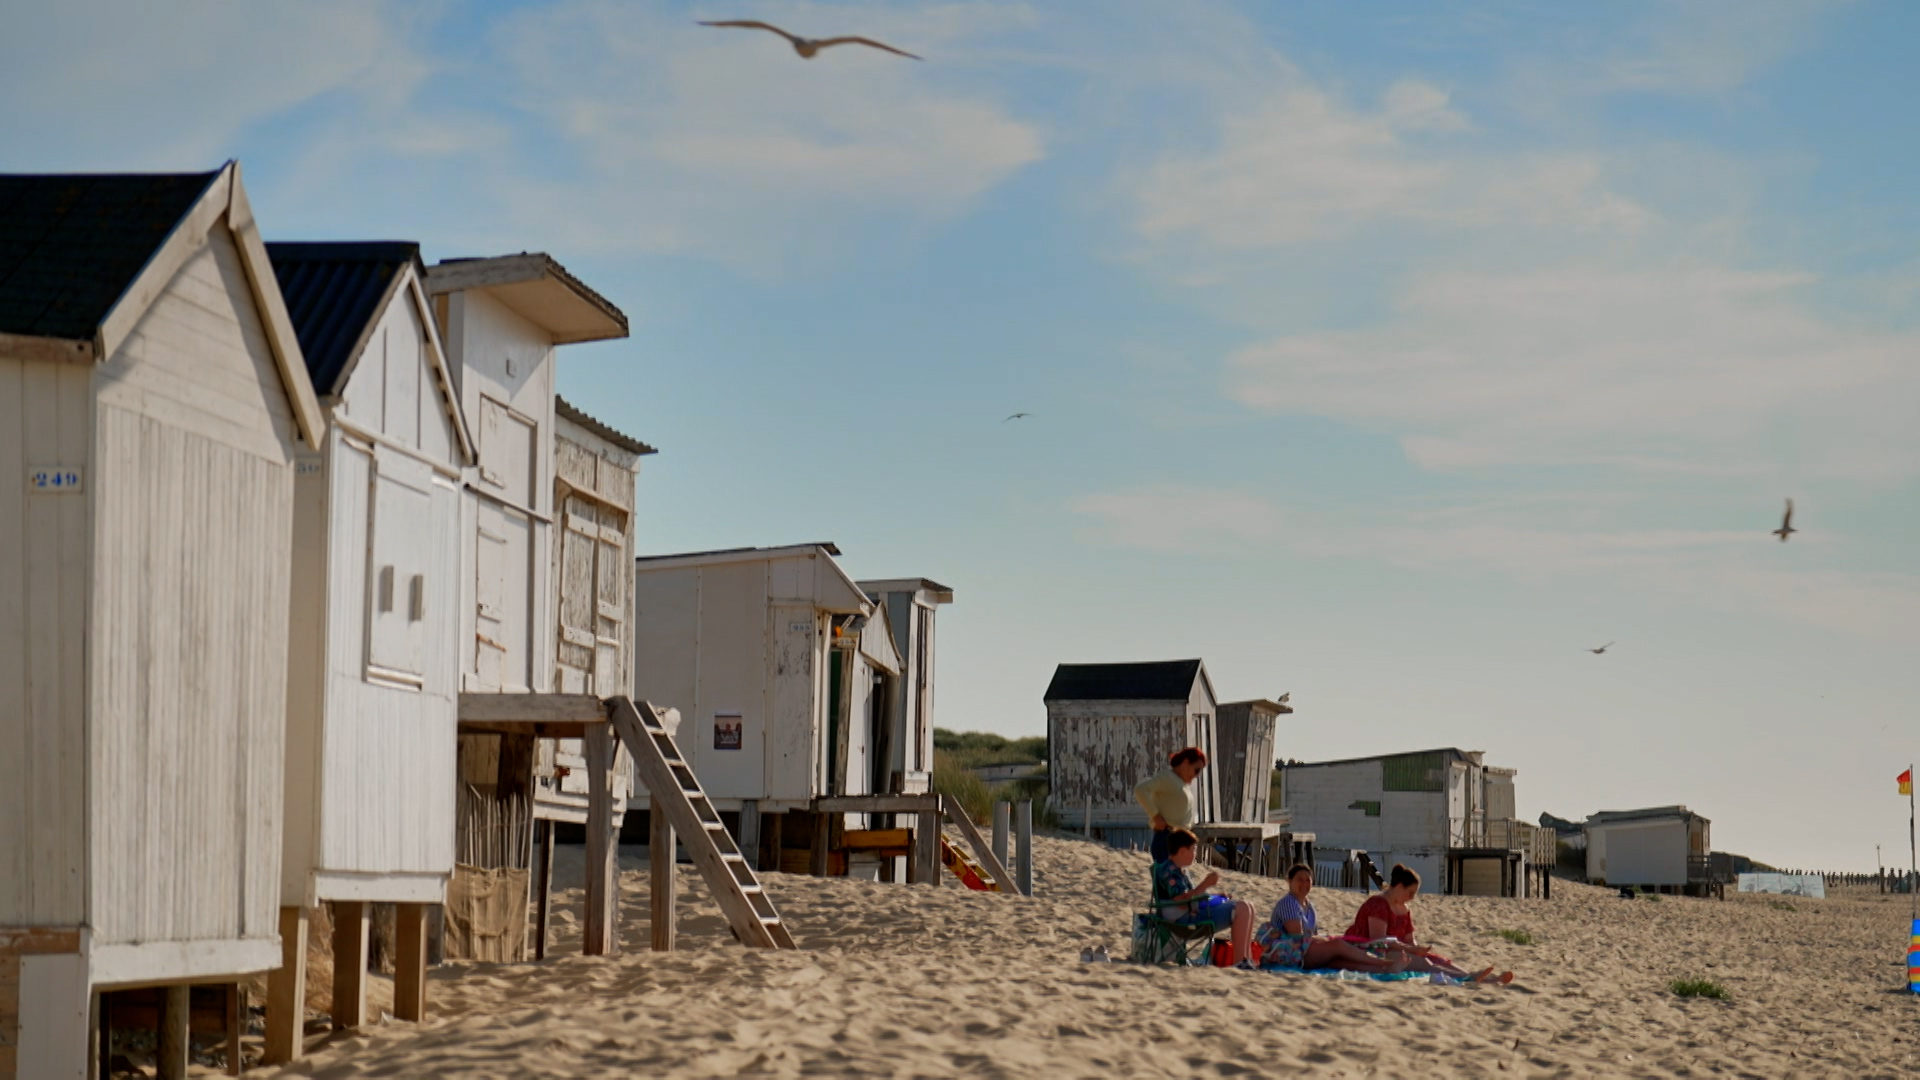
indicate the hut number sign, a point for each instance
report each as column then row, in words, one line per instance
column 55, row 480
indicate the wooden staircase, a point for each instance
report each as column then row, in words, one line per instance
column 675, row 792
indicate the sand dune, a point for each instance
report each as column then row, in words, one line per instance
column 914, row 981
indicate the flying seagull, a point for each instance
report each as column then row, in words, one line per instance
column 1018, row 416
column 1601, row 649
column 807, row 47
column 1786, row 528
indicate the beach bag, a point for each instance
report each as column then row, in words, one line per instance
column 1222, row 954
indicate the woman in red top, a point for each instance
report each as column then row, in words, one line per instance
column 1386, row 919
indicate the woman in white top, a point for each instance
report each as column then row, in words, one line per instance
column 1164, row 796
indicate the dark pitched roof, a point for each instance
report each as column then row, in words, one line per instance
column 1155, row 680
column 334, row 292
column 824, row 545
column 618, row 438
column 70, row 246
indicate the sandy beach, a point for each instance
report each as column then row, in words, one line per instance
column 915, row 981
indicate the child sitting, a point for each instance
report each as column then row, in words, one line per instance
column 1179, row 901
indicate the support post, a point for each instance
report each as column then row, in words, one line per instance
column 750, row 832
column 822, row 838
column 1086, row 819
column 927, row 847
column 543, row 890
column 1002, row 820
column 410, row 961
column 287, row 991
column 775, row 826
column 349, row 964
column 170, row 1063
column 601, row 937
column 236, row 1026
column 1023, row 835
column 661, row 862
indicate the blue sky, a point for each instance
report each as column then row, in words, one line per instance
column 1389, row 354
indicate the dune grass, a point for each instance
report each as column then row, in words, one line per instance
column 1518, row 937
column 1701, row 988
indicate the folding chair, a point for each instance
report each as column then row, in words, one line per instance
column 1159, row 940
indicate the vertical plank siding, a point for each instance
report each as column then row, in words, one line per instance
column 45, row 419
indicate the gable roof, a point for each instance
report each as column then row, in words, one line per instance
column 1153, row 680
column 1451, row 753
column 82, row 258
column 833, row 590
column 1651, row 813
column 71, row 246
column 334, row 293
column 941, row 594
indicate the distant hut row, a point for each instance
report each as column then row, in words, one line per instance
column 276, row 522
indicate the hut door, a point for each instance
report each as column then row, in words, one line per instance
column 592, row 603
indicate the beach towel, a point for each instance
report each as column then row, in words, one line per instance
column 1370, row 976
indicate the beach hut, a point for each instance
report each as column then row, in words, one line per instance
column 596, row 470
column 1110, row 726
column 373, row 679
column 1667, row 848
column 501, row 320
column 906, row 738
column 152, row 402
column 1445, row 813
column 1244, row 735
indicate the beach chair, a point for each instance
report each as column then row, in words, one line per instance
column 1159, row 940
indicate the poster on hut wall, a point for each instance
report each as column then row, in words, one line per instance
column 1809, row 885
column 726, row 731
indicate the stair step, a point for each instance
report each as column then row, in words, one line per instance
column 769, row 920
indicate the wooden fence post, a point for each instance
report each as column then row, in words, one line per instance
column 1023, row 835
column 1002, row 819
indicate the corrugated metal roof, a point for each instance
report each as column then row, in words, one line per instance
column 616, row 437
column 1607, row 817
column 1454, row 753
column 335, row 290
column 71, row 245
column 825, row 545
column 1153, row 680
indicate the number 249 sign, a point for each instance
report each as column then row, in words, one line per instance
column 54, row 480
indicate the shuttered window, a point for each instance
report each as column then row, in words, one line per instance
column 400, row 577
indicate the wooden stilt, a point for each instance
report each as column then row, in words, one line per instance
column 822, row 839
column 1023, row 835
column 661, row 860
column 236, row 1027
column 349, row 964
column 750, row 831
column 410, row 962
column 601, row 936
column 543, row 890
column 170, row 1063
column 775, row 841
column 1002, row 825
column 287, row 991
column 926, row 847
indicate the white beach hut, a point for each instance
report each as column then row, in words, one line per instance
column 906, row 739
column 373, row 674
column 152, row 400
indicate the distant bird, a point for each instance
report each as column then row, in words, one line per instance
column 1018, row 416
column 1786, row 528
column 807, row 47
column 1284, row 698
column 1601, row 649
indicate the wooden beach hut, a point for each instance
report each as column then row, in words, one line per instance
column 906, row 737
column 1244, row 738
column 1665, row 848
column 1110, row 726
column 152, row 401
column 502, row 320
column 374, row 665
column 806, row 700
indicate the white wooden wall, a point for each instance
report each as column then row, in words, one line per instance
column 504, row 367
column 1321, row 798
column 46, row 418
column 1648, row 852
column 371, row 752
column 1203, row 722
column 193, row 490
column 740, row 638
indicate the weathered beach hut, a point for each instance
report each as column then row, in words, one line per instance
column 1110, row 726
column 373, row 680
column 501, row 320
column 596, row 470
column 1244, row 738
column 906, row 737
column 152, row 402
column 1668, row 848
